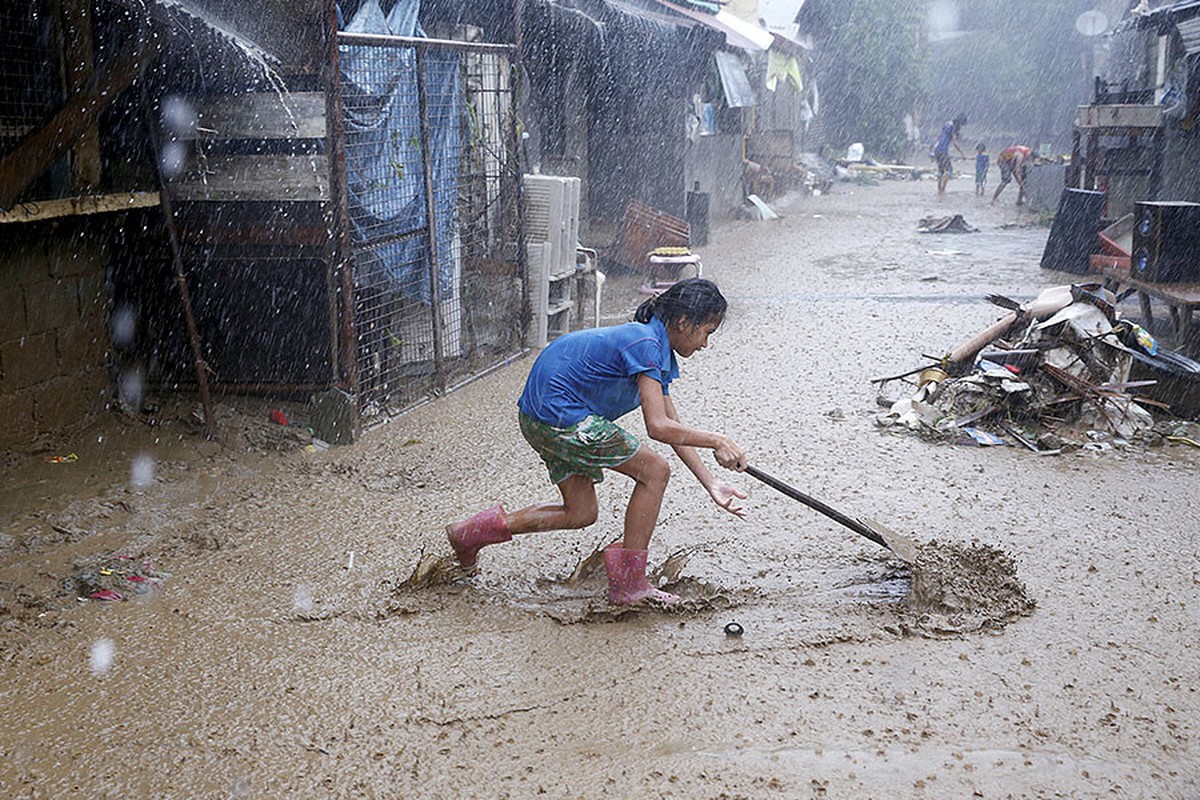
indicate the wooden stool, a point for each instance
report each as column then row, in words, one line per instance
column 669, row 261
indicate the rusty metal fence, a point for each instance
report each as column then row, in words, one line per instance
column 432, row 192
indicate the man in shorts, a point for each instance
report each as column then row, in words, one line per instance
column 1014, row 166
column 941, row 150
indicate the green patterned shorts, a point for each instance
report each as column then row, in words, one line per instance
column 585, row 448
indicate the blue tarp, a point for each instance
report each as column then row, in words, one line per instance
column 385, row 167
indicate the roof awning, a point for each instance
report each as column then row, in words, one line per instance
column 738, row 32
column 789, row 45
column 1189, row 30
column 738, row 93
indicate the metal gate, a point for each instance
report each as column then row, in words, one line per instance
column 431, row 216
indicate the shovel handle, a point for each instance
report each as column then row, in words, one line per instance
column 816, row 505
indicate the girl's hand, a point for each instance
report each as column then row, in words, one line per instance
column 727, row 497
column 729, row 455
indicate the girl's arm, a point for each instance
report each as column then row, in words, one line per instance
column 723, row 494
column 664, row 426
column 661, row 408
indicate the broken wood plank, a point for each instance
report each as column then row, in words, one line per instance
column 249, row 178
column 258, row 115
column 77, row 206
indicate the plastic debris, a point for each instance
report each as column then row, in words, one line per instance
column 116, row 577
column 983, row 438
column 954, row 224
column 765, row 211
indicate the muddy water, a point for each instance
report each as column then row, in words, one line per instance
column 267, row 665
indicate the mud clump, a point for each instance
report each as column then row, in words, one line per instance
column 434, row 570
column 957, row 588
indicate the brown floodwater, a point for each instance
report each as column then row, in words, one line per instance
column 1043, row 644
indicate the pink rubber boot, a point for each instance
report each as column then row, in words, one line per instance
column 468, row 536
column 627, row 581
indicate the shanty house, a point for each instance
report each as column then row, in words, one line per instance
column 1138, row 138
column 324, row 198
column 270, row 196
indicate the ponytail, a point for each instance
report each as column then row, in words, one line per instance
column 697, row 299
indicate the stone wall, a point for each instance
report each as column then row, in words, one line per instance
column 54, row 340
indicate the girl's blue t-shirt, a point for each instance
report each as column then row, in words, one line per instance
column 595, row 371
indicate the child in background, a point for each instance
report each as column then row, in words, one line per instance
column 579, row 386
column 981, row 169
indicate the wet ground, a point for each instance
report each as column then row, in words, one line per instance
column 1047, row 649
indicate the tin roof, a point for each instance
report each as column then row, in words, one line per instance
column 738, row 32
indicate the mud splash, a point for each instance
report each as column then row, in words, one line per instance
column 579, row 597
column 589, row 587
column 434, row 570
column 959, row 589
column 951, row 589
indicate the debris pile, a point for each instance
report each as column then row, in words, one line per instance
column 1058, row 372
column 116, row 577
column 954, row 224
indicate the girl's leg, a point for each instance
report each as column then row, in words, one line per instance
column 495, row 525
column 625, row 562
column 578, row 509
column 651, row 472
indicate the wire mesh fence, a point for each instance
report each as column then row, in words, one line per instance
column 432, row 187
column 29, row 78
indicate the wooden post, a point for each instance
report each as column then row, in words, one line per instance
column 1092, row 162
column 435, row 289
column 1073, row 171
column 341, row 252
column 518, row 29
column 75, row 25
column 1157, row 143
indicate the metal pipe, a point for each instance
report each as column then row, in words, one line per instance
column 420, row 43
column 265, row 388
column 210, row 422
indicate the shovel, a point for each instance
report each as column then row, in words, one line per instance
column 901, row 546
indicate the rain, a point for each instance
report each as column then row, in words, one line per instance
column 321, row 319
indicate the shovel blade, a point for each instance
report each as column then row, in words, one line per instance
column 904, row 548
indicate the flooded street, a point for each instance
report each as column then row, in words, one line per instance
column 283, row 654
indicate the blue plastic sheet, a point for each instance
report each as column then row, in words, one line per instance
column 385, row 161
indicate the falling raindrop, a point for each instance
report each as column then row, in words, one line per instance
column 178, row 115
column 129, row 389
column 302, row 600
column 173, row 159
column 141, row 473
column 124, row 324
column 102, row 656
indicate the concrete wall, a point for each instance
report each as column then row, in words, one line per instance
column 54, row 339
column 716, row 163
column 1045, row 186
column 1181, row 168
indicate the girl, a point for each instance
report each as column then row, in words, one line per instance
column 578, row 387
